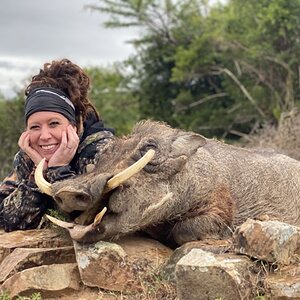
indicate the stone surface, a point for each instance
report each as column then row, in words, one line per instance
column 214, row 246
column 272, row 241
column 51, row 279
column 202, row 275
column 25, row 258
column 284, row 284
column 121, row 266
column 36, row 238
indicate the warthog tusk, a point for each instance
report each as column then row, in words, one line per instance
column 99, row 216
column 129, row 172
column 60, row 223
column 40, row 181
column 78, row 232
column 114, row 182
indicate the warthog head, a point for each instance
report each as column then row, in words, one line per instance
column 130, row 188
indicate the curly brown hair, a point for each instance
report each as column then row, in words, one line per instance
column 69, row 78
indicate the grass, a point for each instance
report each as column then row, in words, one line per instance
column 34, row 296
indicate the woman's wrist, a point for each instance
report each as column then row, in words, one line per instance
column 57, row 165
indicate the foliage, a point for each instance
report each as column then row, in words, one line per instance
column 11, row 126
column 219, row 69
column 113, row 98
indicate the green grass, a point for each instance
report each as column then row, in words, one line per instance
column 34, row 296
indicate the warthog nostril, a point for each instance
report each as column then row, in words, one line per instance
column 81, row 199
column 58, row 200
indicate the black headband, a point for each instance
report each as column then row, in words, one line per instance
column 49, row 99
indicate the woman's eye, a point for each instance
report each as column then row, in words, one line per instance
column 54, row 124
column 34, row 127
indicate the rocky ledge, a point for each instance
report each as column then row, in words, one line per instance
column 262, row 259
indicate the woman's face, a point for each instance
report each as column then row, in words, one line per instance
column 45, row 130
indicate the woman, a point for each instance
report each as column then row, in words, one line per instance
column 63, row 126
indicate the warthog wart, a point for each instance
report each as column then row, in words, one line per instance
column 188, row 188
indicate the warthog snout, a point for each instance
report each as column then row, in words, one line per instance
column 70, row 199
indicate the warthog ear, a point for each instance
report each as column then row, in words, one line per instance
column 187, row 144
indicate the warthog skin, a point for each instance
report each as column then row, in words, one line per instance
column 193, row 188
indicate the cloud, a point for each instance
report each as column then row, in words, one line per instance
column 33, row 32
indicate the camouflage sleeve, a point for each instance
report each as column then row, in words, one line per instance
column 21, row 204
column 90, row 150
column 59, row 173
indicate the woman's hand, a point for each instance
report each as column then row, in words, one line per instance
column 24, row 144
column 67, row 149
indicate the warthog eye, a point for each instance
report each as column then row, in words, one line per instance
column 145, row 149
column 142, row 148
column 151, row 144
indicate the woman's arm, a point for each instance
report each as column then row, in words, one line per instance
column 21, row 204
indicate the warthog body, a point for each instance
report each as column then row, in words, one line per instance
column 193, row 188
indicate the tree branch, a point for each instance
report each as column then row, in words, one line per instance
column 205, row 99
column 243, row 89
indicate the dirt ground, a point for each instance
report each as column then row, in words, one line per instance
column 89, row 294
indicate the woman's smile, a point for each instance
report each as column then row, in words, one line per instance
column 49, row 147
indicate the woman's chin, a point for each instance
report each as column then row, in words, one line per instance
column 47, row 156
column 47, row 153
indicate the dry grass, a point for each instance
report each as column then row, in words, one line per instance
column 284, row 138
column 153, row 288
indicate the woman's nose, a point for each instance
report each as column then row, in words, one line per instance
column 45, row 133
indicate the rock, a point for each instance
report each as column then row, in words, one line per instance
column 214, row 246
column 202, row 275
column 121, row 266
column 272, row 241
column 24, row 258
column 36, row 238
column 284, row 284
column 48, row 280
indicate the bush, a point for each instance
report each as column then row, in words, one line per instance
column 11, row 126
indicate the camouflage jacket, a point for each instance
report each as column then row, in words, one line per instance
column 22, row 205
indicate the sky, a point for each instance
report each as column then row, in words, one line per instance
column 33, row 32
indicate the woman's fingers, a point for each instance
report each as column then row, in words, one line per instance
column 22, row 140
column 67, row 149
column 24, row 144
column 72, row 137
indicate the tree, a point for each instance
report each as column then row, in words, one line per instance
column 113, row 98
column 152, row 66
column 222, row 69
column 11, row 126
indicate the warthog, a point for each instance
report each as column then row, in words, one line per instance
column 192, row 188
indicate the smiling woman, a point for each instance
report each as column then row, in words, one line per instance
column 63, row 127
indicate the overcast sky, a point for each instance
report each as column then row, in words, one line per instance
column 33, row 32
